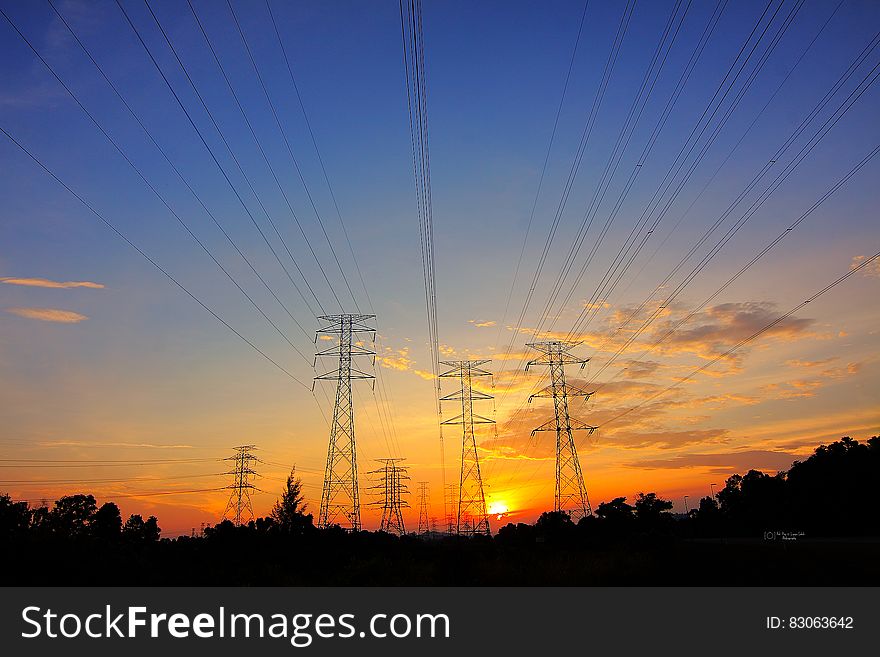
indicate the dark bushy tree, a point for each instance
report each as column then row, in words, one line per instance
column 73, row 515
column 138, row 530
column 288, row 513
column 554, row 527
column 107, row 522
column 651, row 509
column 14, row 517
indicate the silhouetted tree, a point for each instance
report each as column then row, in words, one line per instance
column 516, row 534
column 107, row 522
column 289, row 511
column 554, row 527
column 752, row 503
column 72, row 515
column 615, row 518
column 616, row 511
column 833, row 492
column 138, row 530
column 14, row 517
column 650, row 509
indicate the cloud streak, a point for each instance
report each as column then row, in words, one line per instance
column 49, row 315
column 78, row 443
column 723, row 462
column 46, row 283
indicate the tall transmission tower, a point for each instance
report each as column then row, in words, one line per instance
column 392, row 484
column 239, row 503
column 424, row 507
column 340, row 502
column 471, row 516
column 571, row 493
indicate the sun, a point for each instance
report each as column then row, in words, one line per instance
column 498, row 509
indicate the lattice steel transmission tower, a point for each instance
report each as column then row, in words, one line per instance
column 240, row 498
column 450, row 502
column 424, row 507
column 392, row 484
column 571, row 492
column 340, row 501
column 471, row 516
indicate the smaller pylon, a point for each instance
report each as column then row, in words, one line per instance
column 424, row 507
column 451, row 506
column 240, row 497
column 392, row 478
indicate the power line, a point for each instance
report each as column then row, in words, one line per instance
column 412, row 36
column 779, row 238
column 293, row 158
column 543, row 173
column 743, row 342
column 826, row 127
column 155, row 264
column 208, row 147
column 318, row 153
column 179, row 175
column 586, row 133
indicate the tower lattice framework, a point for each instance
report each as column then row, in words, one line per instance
column 450, row 504
column 424, row 507
column 392, row 484
column 340, row 501
column 471, row 517
column 571, row 492
column 239, row 504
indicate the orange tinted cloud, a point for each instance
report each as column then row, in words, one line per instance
column 872, row 270
column 723, row 463
column 45, row 282
column 49, row 315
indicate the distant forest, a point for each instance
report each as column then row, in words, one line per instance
column 817, row 523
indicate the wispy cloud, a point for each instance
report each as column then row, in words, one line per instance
column 872, row 270
column 810, row 363
column 723, row 463
column 49, row 315
column 80, row 443
column 395, row 359
column 483, row 324
column 800, row 388
column 45, row 282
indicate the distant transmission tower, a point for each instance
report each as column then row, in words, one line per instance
column 424, row 507
column 240, row 498
column 340, row 504
column 471, row 517
column 450, row 502
column 571, row 493
column 392, row 484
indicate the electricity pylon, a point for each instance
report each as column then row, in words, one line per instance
column 449, row 507
column 424, row 507
column 340, row 502
column 571, row 493
column 471, row 516
column 240, row 498
column 393, row 487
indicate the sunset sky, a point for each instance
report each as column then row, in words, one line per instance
column 102, row 358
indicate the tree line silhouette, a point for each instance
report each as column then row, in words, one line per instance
column 827, row 501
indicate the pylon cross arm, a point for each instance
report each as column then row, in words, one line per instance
column 578, row 425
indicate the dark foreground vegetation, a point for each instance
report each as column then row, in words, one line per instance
column 817, row 524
